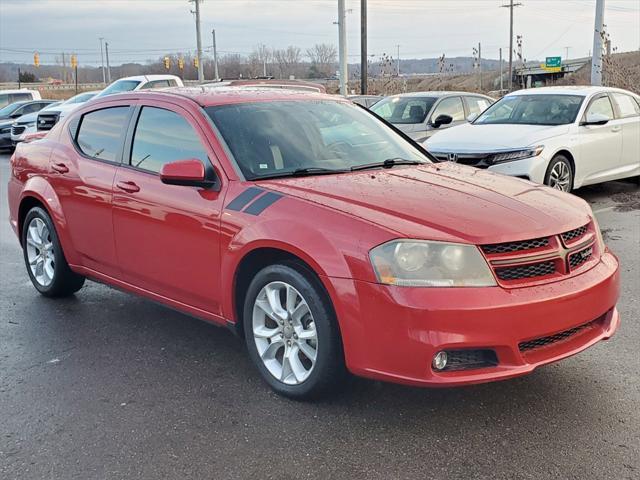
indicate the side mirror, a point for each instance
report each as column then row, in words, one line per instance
column 472, row 117
column 190, row 173
column 15, row 115
column 441, row 120
column 596, row 119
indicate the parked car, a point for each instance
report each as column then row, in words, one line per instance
column 563, row 137
column 7, row 97
column 47, row 119
column 240, row 208
column 299, row 85
column 141, row 82
column 422, row 114
column 11, row 112
column 366, row 101
column 25, row 125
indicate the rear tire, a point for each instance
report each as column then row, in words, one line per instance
column 559, row 174
column 292, row 334
column 43, row 256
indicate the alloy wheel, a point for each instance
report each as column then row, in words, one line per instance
column 40, row 253
column 560, row 177
column 284, row 333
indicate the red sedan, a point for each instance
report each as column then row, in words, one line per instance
column 318, row 232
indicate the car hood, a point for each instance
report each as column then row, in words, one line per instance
column 447, row 202
column 482, row 138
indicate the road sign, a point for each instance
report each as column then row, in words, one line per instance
column 552, row 62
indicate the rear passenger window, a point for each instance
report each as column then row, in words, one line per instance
column 627, row 105
column 100, row 134
column 163, row 136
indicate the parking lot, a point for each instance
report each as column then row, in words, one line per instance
column 108, row 385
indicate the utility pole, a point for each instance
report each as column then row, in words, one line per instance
column 64, row 69
column 106, row 51
column 199, row 42
column 566, row 53
column 104, row 78
column 215, row 56
column 480, row 64
column 510, row 7
column 598, row 34
column 398, row 66
column 501, row 74
column 263, row 53
column 363, row 47
column 19, row 75
column 342, row 47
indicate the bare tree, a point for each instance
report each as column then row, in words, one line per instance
column 288, row 60
column 323, row 59
column 260, row 61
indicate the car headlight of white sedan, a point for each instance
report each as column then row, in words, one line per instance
column 520, row 154
column 421, row 263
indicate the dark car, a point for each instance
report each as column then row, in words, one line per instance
column 11, row 112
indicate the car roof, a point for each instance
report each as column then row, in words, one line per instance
column 582, row 90
column 437, row 93
column 21, row 90
column 207, row 97
column 143, row 78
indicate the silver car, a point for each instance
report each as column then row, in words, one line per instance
column 422, row 114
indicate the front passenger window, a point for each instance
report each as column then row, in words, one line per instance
column 163, row 136
column 601, row 106
column 449, row 106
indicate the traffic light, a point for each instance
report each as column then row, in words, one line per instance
column 195, row 62
column 181, row 63
column 36, row 59
column 167, row 63
column 74, row 61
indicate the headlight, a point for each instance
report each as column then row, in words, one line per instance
column 517, row 154
column 420, row 263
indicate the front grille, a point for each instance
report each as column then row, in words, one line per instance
column 526, row 271
column 555, row 338
column 478, row 160
column 469, row 359
column 580, row 257
column 509, row 247
column 571, row 235
column 18, row 129
column 46, row 121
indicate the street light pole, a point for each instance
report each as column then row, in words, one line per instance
column 104, row 78
column 106, row 51
column 363, row 47
column 199, row 42
column 398, row 66
column 596, row 59
column 215, row 55
column 342, row 47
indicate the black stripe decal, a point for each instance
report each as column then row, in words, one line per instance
column 257, row 207
column 244, row 198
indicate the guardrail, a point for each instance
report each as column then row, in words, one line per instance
column 51, row 86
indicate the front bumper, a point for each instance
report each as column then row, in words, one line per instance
column 533, row 168
column 392, row 333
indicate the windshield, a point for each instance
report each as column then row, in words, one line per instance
column 275, row 138
column 81, row 98
column 120, row 86
column 533, row 110
column 9, row 109
column 403, row 110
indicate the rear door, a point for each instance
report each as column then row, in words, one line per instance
column 167, row 236
column 628, row 111
column 600, row 145
column 81, row 173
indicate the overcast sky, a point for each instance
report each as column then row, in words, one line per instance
column 138, row 30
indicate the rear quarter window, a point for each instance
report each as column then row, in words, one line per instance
column 101, row 133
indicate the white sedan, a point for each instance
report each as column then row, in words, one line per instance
column 563, row 137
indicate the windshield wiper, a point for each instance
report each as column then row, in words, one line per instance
column 388, row 163
column 302, row 172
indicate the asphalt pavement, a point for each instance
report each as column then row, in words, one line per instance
column 105, row 385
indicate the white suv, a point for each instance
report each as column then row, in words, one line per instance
column 563, row 137
column 7, row 97
column 141, row 82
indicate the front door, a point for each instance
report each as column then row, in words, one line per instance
column 167, row 236
column 600, row 145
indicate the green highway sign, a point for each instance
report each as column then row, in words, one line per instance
column 553, row 62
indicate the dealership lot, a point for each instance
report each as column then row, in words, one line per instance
column 107, row 385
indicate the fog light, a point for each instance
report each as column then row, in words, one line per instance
column 439, row 360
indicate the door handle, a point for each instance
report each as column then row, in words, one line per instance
column 616, row 128
column 129, row 187
column 60, row 167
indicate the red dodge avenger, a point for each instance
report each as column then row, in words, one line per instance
column 319, row 233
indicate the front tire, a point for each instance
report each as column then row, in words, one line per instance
column 559, row 174
column 47, row 268
column 291, row 333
